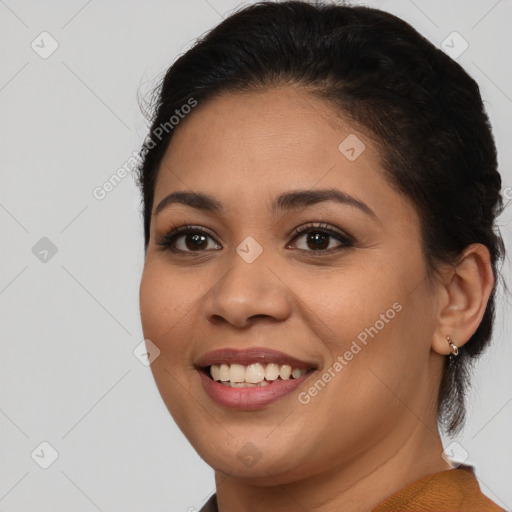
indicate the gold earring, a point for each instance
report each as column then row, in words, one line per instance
column 455, row 349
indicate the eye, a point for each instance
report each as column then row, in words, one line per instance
column 186, row 239
column 319, row 238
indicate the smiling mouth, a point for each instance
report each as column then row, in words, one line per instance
column 253, row 375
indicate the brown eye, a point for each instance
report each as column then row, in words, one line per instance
column 322, row 238
column 187, row 239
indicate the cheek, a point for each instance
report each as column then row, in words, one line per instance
column 164, row 296
column 355, row 303
column 165, row 305
column 163, row 308
column 377, row 335
column 154, row 299
column 378, row 317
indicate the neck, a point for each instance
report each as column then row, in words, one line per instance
column 358, row 486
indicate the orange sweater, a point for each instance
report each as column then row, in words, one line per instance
column 454, row 490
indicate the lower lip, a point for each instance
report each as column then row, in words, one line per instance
column 251, row 397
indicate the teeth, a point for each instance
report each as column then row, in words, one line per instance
column 285, row 370
column 298, row 372
column 241, row 385
column 271, row 371
column 224, row 372
column 236, row 373
column 245, row 384
column 215, row 372
column 255, row 374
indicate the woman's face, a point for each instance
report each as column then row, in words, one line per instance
column 303, row 258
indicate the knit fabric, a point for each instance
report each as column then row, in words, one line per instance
column 454, row 490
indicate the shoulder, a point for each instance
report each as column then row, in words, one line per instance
column 447, row 491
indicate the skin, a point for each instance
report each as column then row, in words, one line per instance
column 372, row 430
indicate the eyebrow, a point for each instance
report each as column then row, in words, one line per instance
column 285, row 202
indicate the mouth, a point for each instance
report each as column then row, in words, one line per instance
column 252, row 378
column 253, row 375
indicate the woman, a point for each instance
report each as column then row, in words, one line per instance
column 320, row 189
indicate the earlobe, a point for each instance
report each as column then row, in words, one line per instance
column 466, row 290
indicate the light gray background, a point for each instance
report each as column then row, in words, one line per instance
column 69, row 324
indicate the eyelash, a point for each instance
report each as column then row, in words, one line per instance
column 347, row 241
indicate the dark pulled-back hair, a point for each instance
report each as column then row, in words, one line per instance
column 421, row 108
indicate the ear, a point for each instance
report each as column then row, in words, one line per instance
column 463, row 292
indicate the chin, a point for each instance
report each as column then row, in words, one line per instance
column 262, row 461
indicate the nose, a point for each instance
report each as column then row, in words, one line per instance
column 246, row 292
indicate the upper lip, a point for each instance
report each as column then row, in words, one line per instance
column 249, row 356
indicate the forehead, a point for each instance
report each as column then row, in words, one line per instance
column 250, row 147
column 256, row 130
